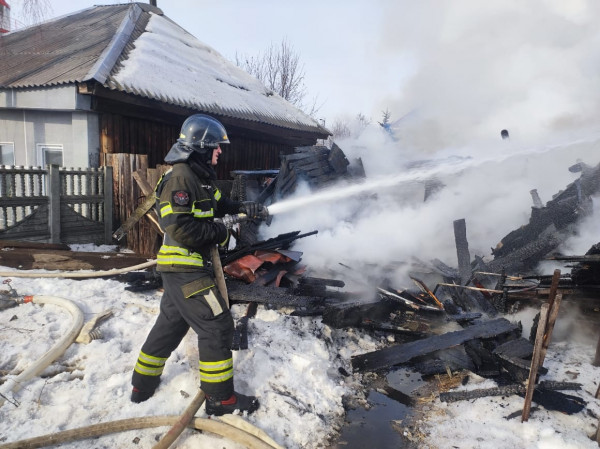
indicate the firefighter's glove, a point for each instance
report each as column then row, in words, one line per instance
column 251, row 209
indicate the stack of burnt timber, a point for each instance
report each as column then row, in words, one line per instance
column 549, row 225
column 316, row 165
column 319, row 166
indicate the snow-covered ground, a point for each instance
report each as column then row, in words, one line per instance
column 495, row 422
column 297, row 366
column 292, row 364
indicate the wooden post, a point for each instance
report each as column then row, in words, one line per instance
column 462, row 250
column 597, row 358
column 537, row 202
column 219, row 275
column 552, row 315
column 108, row 204
column 53, row 190
column 535, row 361
column 553, row 287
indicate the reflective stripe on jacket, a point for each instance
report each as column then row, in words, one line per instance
column 186, row 206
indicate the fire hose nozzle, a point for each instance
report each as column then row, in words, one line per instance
column 230, row 220
column 264, row 215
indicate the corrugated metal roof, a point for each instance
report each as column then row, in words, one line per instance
column 134, row 48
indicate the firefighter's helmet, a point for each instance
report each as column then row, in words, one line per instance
column 202, row 133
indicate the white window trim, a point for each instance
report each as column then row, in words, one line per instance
column 13, row 147
column 40, row 147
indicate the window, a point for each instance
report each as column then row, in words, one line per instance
column 7, row 153
column 49, row 154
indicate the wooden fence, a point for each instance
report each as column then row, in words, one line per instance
column 131, row 170
column 56, row 205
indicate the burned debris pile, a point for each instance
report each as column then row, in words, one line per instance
column 318, row 166
column 451, row 322
column 549, row 225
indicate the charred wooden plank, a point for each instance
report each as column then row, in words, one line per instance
column 560, row 402
column 517, row 368
column 353, row 313
column 485, row 363
column 38, row 259
column 403, row 353
column 7, row 244
column 272, row 296
column 453, row 359
column 374, row 325
column 337, row 160
column 454, row 396
column 321, row 281
column 282, row 241
column 462, row 250
column 518, row 348
column 240, row 334
column 462, row 318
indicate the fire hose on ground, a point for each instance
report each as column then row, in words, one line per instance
column 56, row 351
column 239, row 431
column 232, row 427
column 78, row 274
column 96, row 430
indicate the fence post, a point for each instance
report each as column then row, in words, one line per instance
column 108, row 204
column 53, row 191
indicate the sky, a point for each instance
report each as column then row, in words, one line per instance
column 451, row 71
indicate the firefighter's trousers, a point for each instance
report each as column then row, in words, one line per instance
column 190, row 300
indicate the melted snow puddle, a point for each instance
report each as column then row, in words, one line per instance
column 381, row 424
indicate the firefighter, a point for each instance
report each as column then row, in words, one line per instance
column 187, row 202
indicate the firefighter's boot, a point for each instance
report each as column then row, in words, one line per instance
column 237, row 401
column 138, row 396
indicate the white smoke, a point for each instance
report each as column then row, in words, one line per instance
column 392, row 224
column 530, row 67
column 479, row 67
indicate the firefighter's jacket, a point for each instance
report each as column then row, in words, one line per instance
column 187, row 202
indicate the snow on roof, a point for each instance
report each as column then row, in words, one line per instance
column 171, row 64
column 136, row 49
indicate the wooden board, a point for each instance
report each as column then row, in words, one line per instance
column 42, row 259
column 394, row 355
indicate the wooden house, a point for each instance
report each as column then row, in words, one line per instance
column 120, row 80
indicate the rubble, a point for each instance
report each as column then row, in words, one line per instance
column 471, row 297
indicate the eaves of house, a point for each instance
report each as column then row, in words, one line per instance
column 132, row 53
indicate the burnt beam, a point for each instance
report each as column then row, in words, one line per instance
column 398, row 354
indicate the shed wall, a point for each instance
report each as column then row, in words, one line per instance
column 120, row 134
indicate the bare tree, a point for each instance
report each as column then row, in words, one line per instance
column 340, row 130
column 280, row 70
column 33, row 11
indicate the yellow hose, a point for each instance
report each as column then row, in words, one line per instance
column 77, row 274
column 55, row 352
column 96, row 430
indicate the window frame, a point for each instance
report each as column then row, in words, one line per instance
column 54, row 147
column 12, row 144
